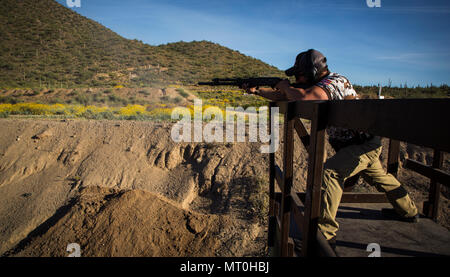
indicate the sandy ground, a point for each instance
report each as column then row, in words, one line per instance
column 124, row 188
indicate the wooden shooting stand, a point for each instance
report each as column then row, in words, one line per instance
column 423, row 122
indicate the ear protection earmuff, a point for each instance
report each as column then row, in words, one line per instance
column 307, row 66
column 308, row 63
column 312, row 62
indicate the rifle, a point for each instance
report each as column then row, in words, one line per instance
column 252, row 82
column 238, row 82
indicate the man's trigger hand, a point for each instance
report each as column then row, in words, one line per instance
column 249, row 90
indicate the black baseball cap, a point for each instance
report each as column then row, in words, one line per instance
column 306, row 61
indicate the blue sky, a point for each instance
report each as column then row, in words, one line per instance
column 406, row 41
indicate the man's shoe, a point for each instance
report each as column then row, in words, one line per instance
column 392, row 214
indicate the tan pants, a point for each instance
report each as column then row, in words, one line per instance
column 349, row 161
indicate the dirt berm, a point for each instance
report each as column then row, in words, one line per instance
column 124, row 188
column 110, row 222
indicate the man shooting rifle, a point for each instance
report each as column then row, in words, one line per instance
column 356, row 152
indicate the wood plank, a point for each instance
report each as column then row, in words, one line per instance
column 314, row 179
column 297, row 209
column 302, row 132
column 277, row 208
column 305, row 109
column 290, row 247
column 282, row 105
column 278, row 221
column 271, row 230
column 360, row 225
column 279, row 177
column 364, row 198
column 435, row 187
column 398, row 119
column 278, row 196
column 393, row 155
column 277, row 246
column 428, row 171
column 355, row 197
column 417, row 121
column 288, row 153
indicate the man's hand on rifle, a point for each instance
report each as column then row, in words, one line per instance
column 273, row 94
column 280, row 86
column 283, row 85
column 250, row 90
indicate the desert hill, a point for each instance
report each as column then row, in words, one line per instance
column 45, row 44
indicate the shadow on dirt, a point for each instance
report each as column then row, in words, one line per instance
column 43, row 228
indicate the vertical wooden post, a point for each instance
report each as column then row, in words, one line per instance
column 291, row 246
column 392, row 162
column 314, row 179
column 288, row 154
column 272, row 216
column 430, row 207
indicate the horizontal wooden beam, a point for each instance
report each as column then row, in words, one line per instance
column 305, row 109
column 418, row 121
column 364, row 198
column 438, row 175
column 350, row 197
column 422, row 122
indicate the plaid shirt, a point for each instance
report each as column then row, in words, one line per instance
column 339, row 87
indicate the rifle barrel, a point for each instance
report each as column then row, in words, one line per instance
column 258, row 81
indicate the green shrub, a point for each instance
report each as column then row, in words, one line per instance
column 9, row 100
column 182, row 92
column 259, row 197
column 117, row 99
column 102, row 115
column 177, row 100
column 56, row 101
column 144, row 92
column 83, row 99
